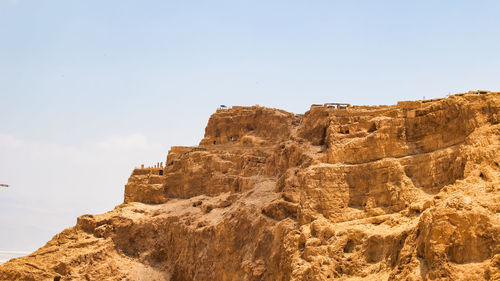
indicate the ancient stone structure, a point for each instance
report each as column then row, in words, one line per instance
column 403, row 192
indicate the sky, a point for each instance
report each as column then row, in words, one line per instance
column 91, row 89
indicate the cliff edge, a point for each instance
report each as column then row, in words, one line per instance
column 403, row 192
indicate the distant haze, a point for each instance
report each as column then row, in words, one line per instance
column 7, row 255
column 91, row 89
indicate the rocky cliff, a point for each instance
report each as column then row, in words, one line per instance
column 403, row 192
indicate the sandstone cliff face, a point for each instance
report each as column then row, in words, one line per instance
column 403, row 192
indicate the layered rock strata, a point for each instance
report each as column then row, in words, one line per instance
column 403, row 192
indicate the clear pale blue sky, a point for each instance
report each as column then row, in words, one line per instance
column 90, row 89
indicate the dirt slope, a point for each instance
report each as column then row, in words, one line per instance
column 403, row 192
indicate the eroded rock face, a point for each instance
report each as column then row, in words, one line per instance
column 403, row 192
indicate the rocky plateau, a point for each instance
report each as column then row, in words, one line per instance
column 403, row 192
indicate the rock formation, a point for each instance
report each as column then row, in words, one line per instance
column 403, row 192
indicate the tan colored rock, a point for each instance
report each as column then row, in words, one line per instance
column 403, row 192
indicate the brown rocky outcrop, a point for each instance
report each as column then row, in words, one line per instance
column 403, row 192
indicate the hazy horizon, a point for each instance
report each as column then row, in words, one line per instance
column 90, row 89
column 7, row 255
